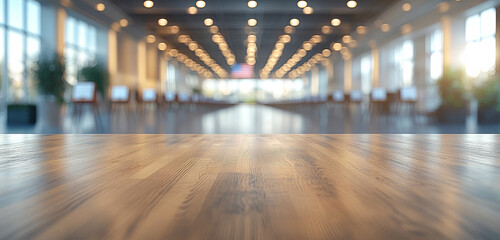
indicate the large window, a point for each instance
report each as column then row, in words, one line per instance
column 19, row 48
column 80, row 47
column 435, row 55
column 480, row 49
column 366, row 73
column 403, row 58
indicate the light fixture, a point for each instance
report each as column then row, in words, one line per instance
column 336, row 22
column 337, row 46
column 361, row 29
column 385, row 27
column 307, row 46
column 252, row 4
column 326, row 29
column 252, row 22
column 406, row 7
column 288, row 29
column 162, row 46
column 208, row 22
column 352, row 4
column 151, row 38
column 174, row 29
column 214, row 29
column 162, row 22
column 100, row 7
column 301, row 4
column 124, row 22
column 294, row 22
column 148, row 4
column 192, row 10
column 346, row 39
column 308, row 10
column 443, row 7
column 326, row 52
column 201, row 4
column 405, row 29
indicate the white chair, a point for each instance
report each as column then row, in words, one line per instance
column 338, row 96
column 408, row 94
column 408, row 97
column 120, row 99
column 355, row 96
column 149, row 95
column 379, row 95
column 378, row 100
column 120, row 94
column 169, row 96
column 85, row 94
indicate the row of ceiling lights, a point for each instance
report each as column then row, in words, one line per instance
column 345, row 52
column 221, row 42
column 297, row 57
column 317, row 58
column 162, row 46
column 250, row 59
column 275, row 55
column 202, row 54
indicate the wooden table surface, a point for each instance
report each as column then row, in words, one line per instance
column 249, row 187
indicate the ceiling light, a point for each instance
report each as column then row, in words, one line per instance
column 100, row 7
column 405, row 29
column 252, row 38
column 301, row 4
column 252, row 22
column 174, row 29
column 326, row 30
column 337, row 46
column 208, row 22
column 162, row 22
column 192, row 10
column 308, row 10
column 201, row 4
column 336, row 22
column 214, row 29
column 385, row 27
column 124, row 22
column 162, row 46
column 151, row 38
column 294, row 22
column 148, row 4
column 326, row 52
column 288, row 29
column 361, row 29
column 286, row 38
column 193, row 46
column 252, row 4
column 352, row 4
column 443, row 7
column 346, row 39
column 406, row 7
column 307, row 46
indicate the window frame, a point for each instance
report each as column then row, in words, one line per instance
column 28, row 93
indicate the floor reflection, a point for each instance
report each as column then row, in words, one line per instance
column 250, row 119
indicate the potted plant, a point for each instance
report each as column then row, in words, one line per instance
column 453, row 98
column 97, row 73
column 487, row 94
column 49, row 76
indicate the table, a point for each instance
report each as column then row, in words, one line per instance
column 250, row 186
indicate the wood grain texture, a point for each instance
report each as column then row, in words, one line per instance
column 249, row 187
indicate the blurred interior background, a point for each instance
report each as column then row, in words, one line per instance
column 224, row 66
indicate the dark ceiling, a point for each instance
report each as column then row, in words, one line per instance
column 231, row 17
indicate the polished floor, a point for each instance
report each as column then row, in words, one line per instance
column 251, row 119
column 249, row 187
